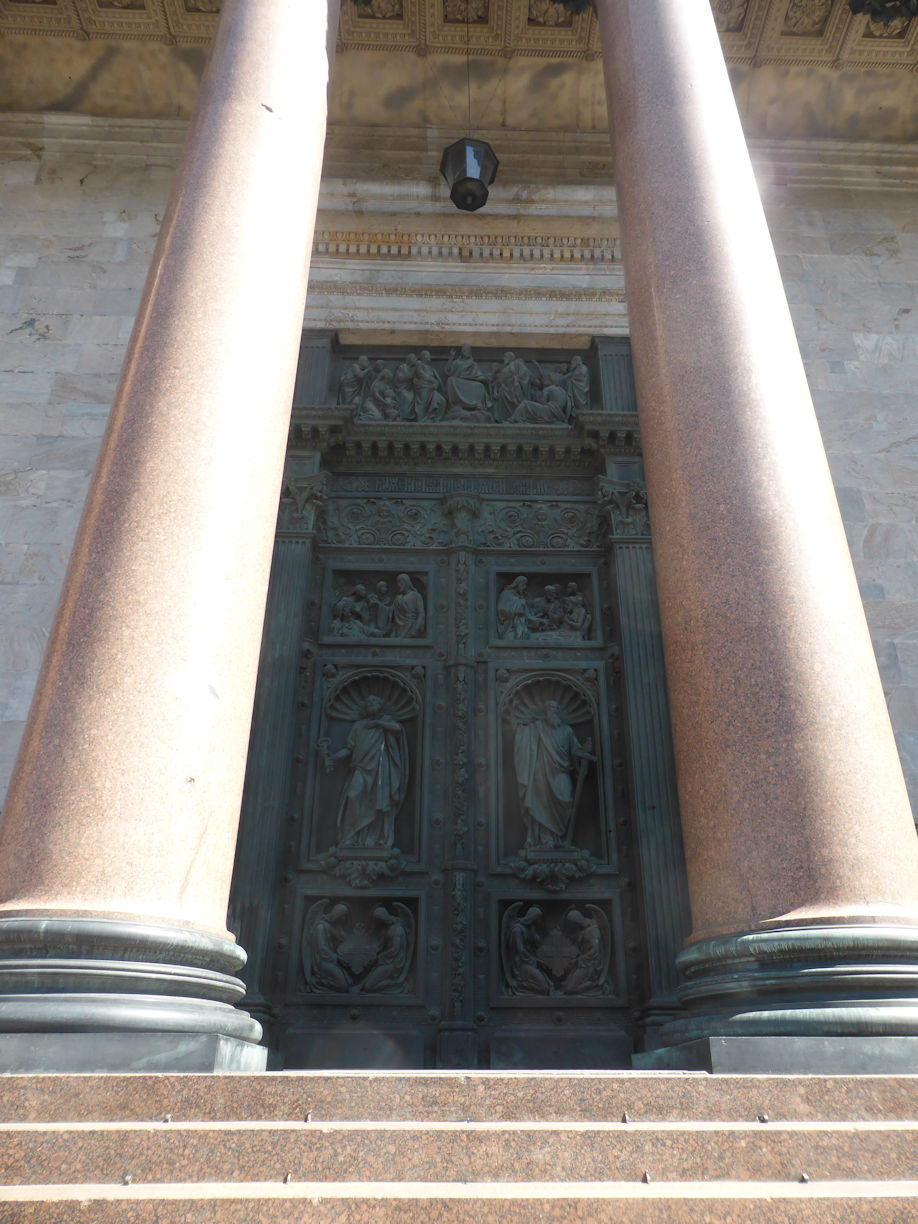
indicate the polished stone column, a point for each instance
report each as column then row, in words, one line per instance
column 801, row 853
column 117, row 842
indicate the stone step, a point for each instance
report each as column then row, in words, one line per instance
column 854, row 1202
column 449, row 1151
column 457, row 1096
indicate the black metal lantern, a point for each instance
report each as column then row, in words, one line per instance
column 469, row 167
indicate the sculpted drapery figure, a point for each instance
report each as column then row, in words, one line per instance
column 355, row 382
column 574, row 381
column 521, row 940
column 377, row 781
column 466, row 388
column 404, row 388
column 380, row 611
column 349, row 615
column 429, row 401
column 510, row 386
column 325, row 931
column 391, row 967
column 408, row 616
column 552, row 408
column 546, row 756
column 381, row 404
column 513, row 611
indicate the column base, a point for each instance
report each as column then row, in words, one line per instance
column 72, row 1053
column 787, row 1056
column 844, row 981
column 109, row 995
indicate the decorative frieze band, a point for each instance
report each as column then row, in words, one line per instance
column 463, row 248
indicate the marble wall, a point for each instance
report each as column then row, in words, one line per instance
column 80, row 204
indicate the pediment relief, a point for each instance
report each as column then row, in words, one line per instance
column 786, row 32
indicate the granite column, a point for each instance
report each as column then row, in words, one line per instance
column 801, row 852
column 117, row 842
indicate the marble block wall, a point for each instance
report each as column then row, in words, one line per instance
column 849, row 260
column 81, row 201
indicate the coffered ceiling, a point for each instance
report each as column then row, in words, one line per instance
column 814, row 33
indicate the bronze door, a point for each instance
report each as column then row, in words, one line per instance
column 456, row 887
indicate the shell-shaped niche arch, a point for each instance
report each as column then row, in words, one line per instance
column 527, row 698
column 348, row 695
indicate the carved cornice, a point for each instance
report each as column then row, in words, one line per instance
column 788, row 32
column 346, row 443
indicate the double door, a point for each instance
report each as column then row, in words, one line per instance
column 456, row 882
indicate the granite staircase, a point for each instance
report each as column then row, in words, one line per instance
column 463, row 1146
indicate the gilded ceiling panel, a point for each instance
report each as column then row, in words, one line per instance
column 785, row 32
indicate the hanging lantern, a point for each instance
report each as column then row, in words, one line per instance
column 469, row 167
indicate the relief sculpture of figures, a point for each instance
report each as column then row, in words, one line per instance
column 550, row 764
column 555, row 615
column 555, row 951
column 350, row 953
column 514, row 391
column 377, row 782
column 359, row 613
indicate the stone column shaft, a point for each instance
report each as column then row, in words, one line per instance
column 792, row 799
column 125, row 798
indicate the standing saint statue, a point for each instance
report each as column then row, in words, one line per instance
column 547, row 755
column 408, row 613
column 377, row 783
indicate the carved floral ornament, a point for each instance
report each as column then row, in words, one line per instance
column 620, row 511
